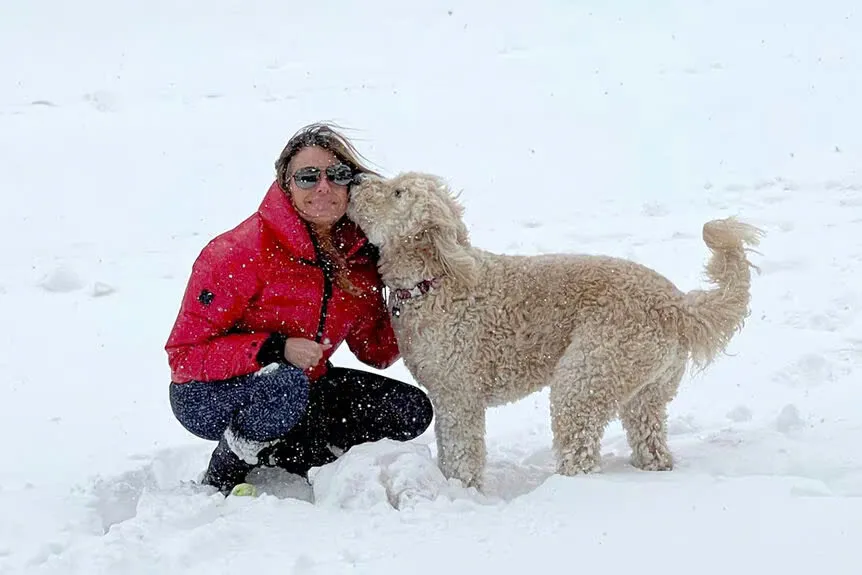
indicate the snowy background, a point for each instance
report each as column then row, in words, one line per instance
column 131, row 133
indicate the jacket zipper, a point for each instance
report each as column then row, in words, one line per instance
column 327, row 289
column 327, row 293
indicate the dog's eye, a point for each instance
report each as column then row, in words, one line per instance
column 398, row 192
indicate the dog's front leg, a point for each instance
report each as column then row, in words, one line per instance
column 460, row 429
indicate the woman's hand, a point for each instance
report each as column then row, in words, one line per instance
column 304, row 353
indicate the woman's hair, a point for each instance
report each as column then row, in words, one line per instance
column 322, row 135
column 327, row 136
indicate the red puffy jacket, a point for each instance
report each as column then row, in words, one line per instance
column 263, row 278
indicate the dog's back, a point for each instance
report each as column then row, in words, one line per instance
column 526, row 309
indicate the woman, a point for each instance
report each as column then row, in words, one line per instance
column 267, row 304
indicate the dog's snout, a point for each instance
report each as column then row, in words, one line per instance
column 363, row 179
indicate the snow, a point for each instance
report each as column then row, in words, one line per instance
column 388, row 474
column 130, row 134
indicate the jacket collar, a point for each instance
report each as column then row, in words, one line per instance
column 279, row 214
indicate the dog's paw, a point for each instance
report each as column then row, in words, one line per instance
column 463, row 473
column 653, row 461
column 581, row 462
column 467, row 479
column 469, row 483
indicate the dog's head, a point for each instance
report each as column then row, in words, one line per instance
column 416, row 212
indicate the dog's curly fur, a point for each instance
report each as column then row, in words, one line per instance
column 609, row 336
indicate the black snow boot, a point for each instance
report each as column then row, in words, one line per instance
column 298, row 455
column 231, row 461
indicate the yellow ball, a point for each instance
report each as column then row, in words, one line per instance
column 244, row 490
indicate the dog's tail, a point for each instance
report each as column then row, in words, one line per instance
column 711, row 317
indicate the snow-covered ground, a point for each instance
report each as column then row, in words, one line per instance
column 131, row 133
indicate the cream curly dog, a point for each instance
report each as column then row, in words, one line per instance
column 477, row 329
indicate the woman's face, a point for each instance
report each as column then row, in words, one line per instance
column 322, row 201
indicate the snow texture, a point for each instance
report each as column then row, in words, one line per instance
column 132, row 133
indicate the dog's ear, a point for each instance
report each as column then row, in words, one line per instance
column 450, row 241
column 451, row 255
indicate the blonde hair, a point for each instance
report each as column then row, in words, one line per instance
column 324, row 135
column 328, row 136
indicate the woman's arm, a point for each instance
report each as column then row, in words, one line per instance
column 201, row 346
column 373, row 341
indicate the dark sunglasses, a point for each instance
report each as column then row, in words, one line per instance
column 307, row 178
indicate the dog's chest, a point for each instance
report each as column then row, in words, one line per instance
column 416, row 325
column 424, row 327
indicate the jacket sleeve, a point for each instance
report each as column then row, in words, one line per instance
column 201, row 346
column 372, row 340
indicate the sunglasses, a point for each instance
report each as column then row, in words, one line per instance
column 307, row 178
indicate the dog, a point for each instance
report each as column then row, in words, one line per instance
column 610, row 337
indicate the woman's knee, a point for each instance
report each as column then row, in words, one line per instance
column 196, row 413
column 284, row 385
column 419, row 410
column 278, row 403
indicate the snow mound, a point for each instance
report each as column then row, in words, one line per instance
column 101, row 289
column 789, row 419
column 740, row 413
column 61, row 280
column 386, row 473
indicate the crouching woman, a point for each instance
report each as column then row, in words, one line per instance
column 266, row 305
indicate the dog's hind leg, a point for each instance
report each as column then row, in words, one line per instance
column 644, row 418
column 584, row 397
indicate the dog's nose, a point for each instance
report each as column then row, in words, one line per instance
column 359, row 178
